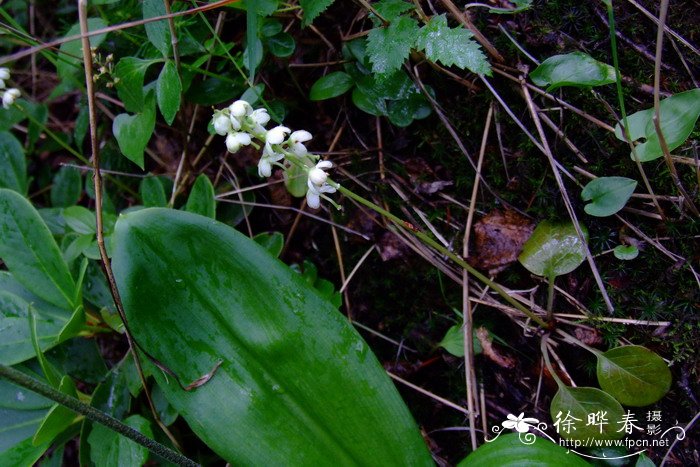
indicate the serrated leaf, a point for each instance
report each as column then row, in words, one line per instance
column 110, row 449
column 31, row 253
column 578, row 403
column 134, row 131
column 678, row 115
column 313, row 8
column 201, row 200
column 634, row 375
column 451, row 46
column 389, row 47
column 67, row 187
column 510, row 451
column 168, row 90
column 131, row 72
column 157, row 31
column 391, row 9
column 626, row 252
column 70, row 54
column 332, row 85
column 208, row 277
column 13, row 166
column 574, row 69
column 607, row 195
column 553, row 249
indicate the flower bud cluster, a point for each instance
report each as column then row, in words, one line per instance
column 8, row 95
column 281, row 147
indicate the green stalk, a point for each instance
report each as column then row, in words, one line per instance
column 93, row 414
column 550, row 298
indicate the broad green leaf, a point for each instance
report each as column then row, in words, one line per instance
column 110, row 449
column 67, row 187
column 233, row 214
column 157, row 31
column 131, row 72
column 281, row 45
column 625, row 252
column 607, row 195
column 79, row 358
column 270, row 27
column 634, row 375
column 40, row 114
column 166, row 412
column 82, row 125
column 553, row 249
column 80, row 219
column 391, row 9
column 168, row 90
column 59, row 417
column 453, row 341
column 31, row 253
column 273, row 242
column 678, row 115
column 329, row 86
column 288, row 361
column 96, row 289
column 369, row 101
column 452, row 46
column 70, row 55
column 295, row 179
column 152, row 192
column 576, row 404
column 201, row 199
column 22, row 453
column 388, row 47
column 134, row 131
column 313, row 8
column 574, row 69
column 513, row 450
column 13, row 166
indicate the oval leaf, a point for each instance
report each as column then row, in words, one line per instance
column 553, row 250
column 67, row 186
column 110, row 449
column 625, row 252
column 201, row 200
column 576, row 404
column 271, row 241
column 297, row 379
column 574, row 69
column 634, row 375
column 152, row 192
column 607, row 195
column 31, row 253
column 13, row 167
column 134, row 131
column 281, row 45
column 511, row 450
column 168, row 90
column 332, row 85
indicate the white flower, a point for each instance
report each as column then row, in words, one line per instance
column 260, row 117
column 317, row 184
column 277, row 135
column 268, row 157
column 240, row 109
column 222, row 124
column 519, row 423
column 235, row 140
column 4, row 74
column 9, row 96
column 295, row 142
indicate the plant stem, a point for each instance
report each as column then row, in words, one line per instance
column 550, row 297
column 548, row 364
column 93, row 414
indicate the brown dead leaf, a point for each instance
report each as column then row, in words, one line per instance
column 491, row 352
column 499, row 238
column 588, row 336
column 390, row 247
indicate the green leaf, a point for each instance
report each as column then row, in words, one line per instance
column 23, row 453
column 67, row 187
column 520, row 5
column 31, row 253
column 253, row 53
column 453, row 341
column 389, row 47
column 152, row 193
column 625, row 252
column 166, row 412
column 59, row 417
column 192, row 283
column 110, row 449
column 313, row 8
column 201, row 199
column 553, row 249
column 131, row 72
column 213, row 91
column 281, row 45
column 273, row 242
column 332, row 85
column 578, row 403
column 391, row 9
column 510, row 450
column 157, row 31
column 80, row 219
column 368, row 100
column 452, row 46
column 70, row 55
column 634, row 375
column 168, row 90
column 607, row 195
column 13, row 166
column 644, row 461
column 52, row 375
column 295, row 179
column 575, row 69
column 134, row 131
column 677, row 115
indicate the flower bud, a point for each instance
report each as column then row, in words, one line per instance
column 277, row 135
column 260, row 117
column 240, row 109
column 317, row 176
column 235, row 140
column 4, row 74
column 9, row 96
column 222, row 124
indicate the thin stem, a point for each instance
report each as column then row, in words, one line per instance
column 173, row 34
column 550, row 298
column 548, row 364
column 97, row 416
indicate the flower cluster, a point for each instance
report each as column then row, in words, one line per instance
column 8, row 95
column 281, row 147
